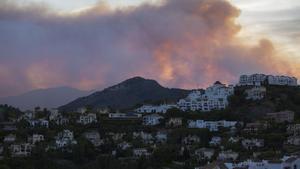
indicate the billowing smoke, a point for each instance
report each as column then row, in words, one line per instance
column 179, row 43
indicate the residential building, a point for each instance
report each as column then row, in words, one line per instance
column 155, row 109
column 191, row 139
column 89, row 118
column 64, row 139
column 214, row 97
column 152, row 119
column 255, row 127
column 250, row 144
column 93, row 137
column 281, row 117
column 256, row 93
column 39, row 123
column 293, row 140
column 205, row 153
column 228, row 155
column 139, row 152
column 261, row 79
column 161, row 137
column 293, row 129
column 35, row 138
column 20, row 150
column 215, row 141
column 9, row 138
column 124, row 116
column 174, row 122
column 211, row 125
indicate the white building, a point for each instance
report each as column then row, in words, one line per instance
column 261, row 79
column 85, row 119
column 65, row 138
column 35, row 138
column 9, row 138
column 39, row 123
column 21, row 150
column 155, row 109
column 93, row 137
column 211, row 125
column 252, row 143
column 293, row 140
column 139, row 152
column 152, row 119
column 215, row 141
column 205, row 153
column 256, row 93
column 214, row 98
column 228, row 155
column 288, row 162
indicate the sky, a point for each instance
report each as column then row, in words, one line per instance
column 90, row 44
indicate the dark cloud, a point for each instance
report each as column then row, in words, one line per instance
column 180, row 43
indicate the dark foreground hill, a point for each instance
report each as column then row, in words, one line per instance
column 127, row 94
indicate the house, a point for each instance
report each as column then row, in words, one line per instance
column 93, row 137
column 89, row 118
column 124, row 116
column 191, row 139
column 35, row 138
column 39, row 123
column 282, row 116
column 155, row 109
column 54, row 114
column 161, row 137
column 256, row 93
column 211, row 125
column 152, row 119
column 293, row 140
column 255, row 127
column 9, row 138
column 228, row 155
column 214, row 97
column 139, row 152
column 205, row 153
column 64, row 139
column 147, row 138
column 116, row 136
column 20, row 150
column 293, row 129
column 124, row 145
column 234, row 139
column 250, row 144
column 215, row 141
column 62, row 121
column 262, row 79
column 174, row 122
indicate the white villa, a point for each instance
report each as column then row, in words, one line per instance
column 260, row 79
column 93, row 137
column 256, row 93
column 35, row 138
column 211, row 125
column 228, row 155
column 214, row 98
column 85, row 119
column 65, row 138
column 152, row 119
column 155, row 109
column 21, row 150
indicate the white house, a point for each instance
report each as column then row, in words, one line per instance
column 228, row 155
column 205, row 153
column 211, row 125
column 256, row 93
column 85, row 119
column 155, row 109
column 20, row 150
column 65, row 138
column 9, row 138
column 35, row 138
column 39, row 123
column 293, row 140
column 215, row 97
column 152, row 119
column 139, row 152
column 161, row 137
column 93, row 137
column 252, row 143
column 261, row 79
column 215, row 141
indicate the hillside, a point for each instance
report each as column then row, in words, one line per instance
column 127, row 94
column 46, row 98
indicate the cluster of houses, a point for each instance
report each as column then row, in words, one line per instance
column 162, row 125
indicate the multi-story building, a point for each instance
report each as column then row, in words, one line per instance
column 87, row 118
column 256, row 93
column 152, row 120
column 211, row 125
column 20, row 150
column 65, row 138
column 214, row 97
column 261, row 79
column 155, row 109
column 282, row 116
